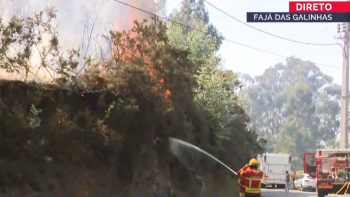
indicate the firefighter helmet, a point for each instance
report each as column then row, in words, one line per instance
column 253, row 162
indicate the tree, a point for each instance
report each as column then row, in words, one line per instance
column 190, row 13
column 152, row 86
column 107, row 125
column 216, row 90
column 24, row 37
column 202, row 48
column 161, row 7
column 147, row 63
column 216, row 95
column 294, row 105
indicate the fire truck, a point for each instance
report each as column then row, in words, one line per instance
column 331, row 168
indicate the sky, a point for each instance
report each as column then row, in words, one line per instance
column 252, row 62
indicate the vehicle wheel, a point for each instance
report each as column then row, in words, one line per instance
column 263, row 185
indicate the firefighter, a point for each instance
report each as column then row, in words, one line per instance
column 294, row 177
column 252, row 179
column 240, row 181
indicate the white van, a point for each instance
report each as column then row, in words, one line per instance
column 274, row 167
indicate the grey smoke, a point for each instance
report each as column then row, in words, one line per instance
column 81, row 23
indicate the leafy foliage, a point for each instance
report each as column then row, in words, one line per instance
column 190, row 13
column 21, row 38
column 201, row 47
column 159, row 81
column 216, row 90
column 33, row 119
column 295, row 106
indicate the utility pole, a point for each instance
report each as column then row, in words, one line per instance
column 344, row 122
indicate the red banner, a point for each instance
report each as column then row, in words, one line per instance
column 319, row 6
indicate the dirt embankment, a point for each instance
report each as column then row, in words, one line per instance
column 59, row 142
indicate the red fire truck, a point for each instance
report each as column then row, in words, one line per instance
column 331, row 168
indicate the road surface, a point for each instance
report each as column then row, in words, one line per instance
column 281, row 193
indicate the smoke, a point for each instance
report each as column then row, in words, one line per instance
column 81, row 23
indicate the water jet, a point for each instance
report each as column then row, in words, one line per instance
column 177, row 146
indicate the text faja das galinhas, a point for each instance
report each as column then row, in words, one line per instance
column 293, row 17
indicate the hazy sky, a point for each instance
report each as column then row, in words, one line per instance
column 242, row 59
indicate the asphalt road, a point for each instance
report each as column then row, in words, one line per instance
column 281, row 193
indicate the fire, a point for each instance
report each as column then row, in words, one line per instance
column 127, row 15
column 131, row 53
column 131, row 15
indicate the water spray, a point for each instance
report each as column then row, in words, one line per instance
column 176, row 144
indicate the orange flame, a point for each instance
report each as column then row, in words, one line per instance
column 134, row 52
column 132, row 15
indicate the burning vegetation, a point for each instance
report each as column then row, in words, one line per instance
column 92, row 134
